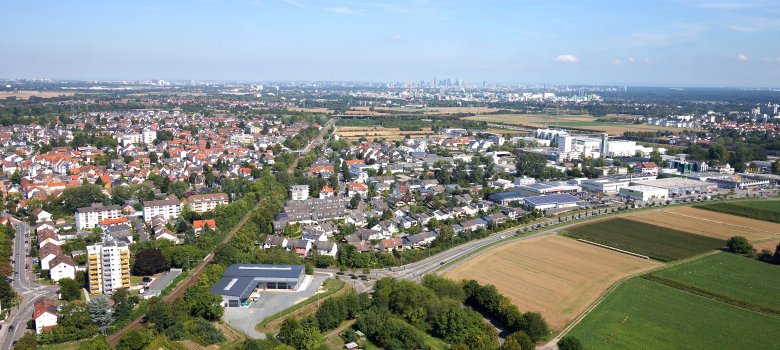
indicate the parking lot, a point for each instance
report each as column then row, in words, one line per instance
column 272, row 301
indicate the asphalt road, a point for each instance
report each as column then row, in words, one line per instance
column 317, row 140
column 29, row 291
column 436, row 263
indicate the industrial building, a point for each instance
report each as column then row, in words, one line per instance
column 506, row 198
column 606, row 185
column 679, row 186
column 644, row 193
column 555, row 201
column 240, row 281
column 549, row 187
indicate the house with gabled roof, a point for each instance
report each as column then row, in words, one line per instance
column 45, row 315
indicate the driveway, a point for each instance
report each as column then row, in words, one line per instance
column 246, row 318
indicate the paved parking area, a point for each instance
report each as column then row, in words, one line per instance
column 246, row 318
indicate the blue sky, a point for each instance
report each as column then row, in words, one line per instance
column 663, row 42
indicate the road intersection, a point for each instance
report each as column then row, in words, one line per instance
column 28, row 291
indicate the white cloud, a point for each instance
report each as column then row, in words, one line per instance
column 616, row 62
column 567, row 58
column 395, row 37
column 754, row 24
column 631, row 60
column 742, row 57
column 340, row 10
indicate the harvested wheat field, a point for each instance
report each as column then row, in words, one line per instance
column 441, row 110
column 310, row 110
column 24, row 95
column 377, row 132
column 580, row 121
column 769, row 245
column 559, row 277
column 710, row 223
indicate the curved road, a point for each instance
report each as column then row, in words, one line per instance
column 28, row 292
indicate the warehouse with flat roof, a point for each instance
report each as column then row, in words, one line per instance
column 644, row 193
column 553, row 201
column 680, row 186
column 239, row 281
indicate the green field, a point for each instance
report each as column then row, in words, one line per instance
column 657, row 242
column 640, row 314
column 731, row 277
column 761, row 210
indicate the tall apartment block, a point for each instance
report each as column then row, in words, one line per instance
column 108, row 267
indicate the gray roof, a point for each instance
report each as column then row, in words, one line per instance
column 97, row 208
column 552, row 199
column 239, row 280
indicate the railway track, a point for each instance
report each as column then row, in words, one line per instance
column 179, row 290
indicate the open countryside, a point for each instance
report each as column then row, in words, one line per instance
column 710, row 223
column 657, row 242
column 761, row 210
column 577, row 121
column 353, row 133
column 738, row 278
column 557, row 276
column 641, row 314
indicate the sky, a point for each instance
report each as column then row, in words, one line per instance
column 730, row 43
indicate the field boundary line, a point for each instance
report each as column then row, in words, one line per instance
column 614, row 249
column 721, row 222
column 614, row 286
column 711, row 295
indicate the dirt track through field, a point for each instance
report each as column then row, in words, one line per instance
column 710, row 223
column 556, row 276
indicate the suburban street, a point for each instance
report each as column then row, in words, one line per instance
column 29, row 292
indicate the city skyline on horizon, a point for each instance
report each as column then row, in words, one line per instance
column 670, row 43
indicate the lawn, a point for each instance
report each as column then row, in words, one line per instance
column 657, row 242
column 641, row 314
column 761, row 210
column 731, row 276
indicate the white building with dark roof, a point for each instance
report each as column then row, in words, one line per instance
column 201, row 203
column 90, row 217
column 240, row 281
column 167, row 208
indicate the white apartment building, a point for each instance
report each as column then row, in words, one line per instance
column 88, row 218
column 148, row 137
column 130, row 139
column 167, row 208
column 201, row 203
column 299, row 192
column 108, row 266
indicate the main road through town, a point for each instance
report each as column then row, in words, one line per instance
column 28, row 291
